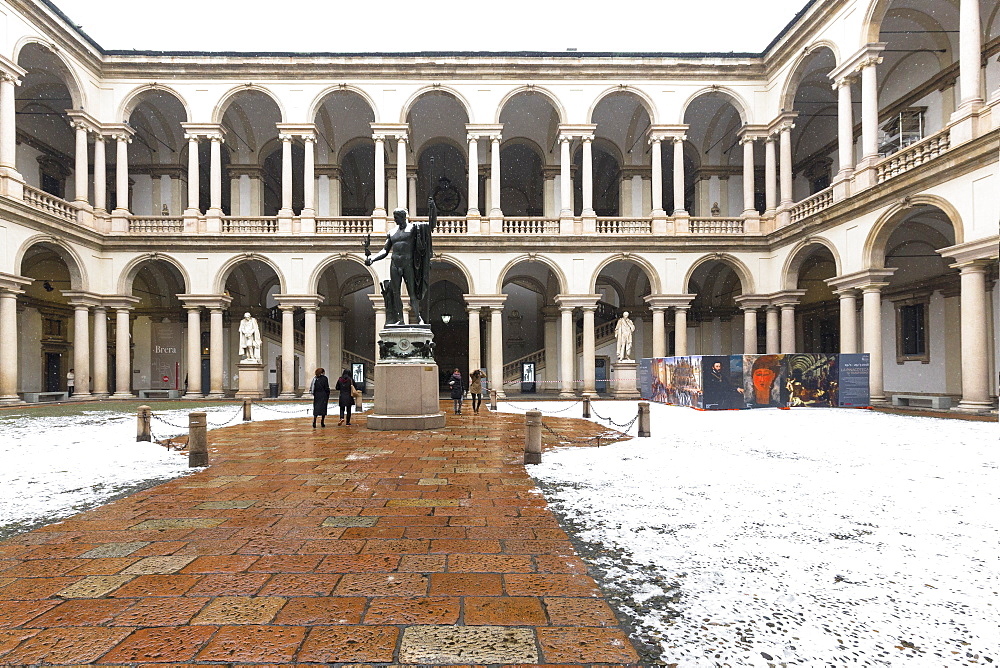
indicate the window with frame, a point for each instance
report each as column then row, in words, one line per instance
column 912, row 330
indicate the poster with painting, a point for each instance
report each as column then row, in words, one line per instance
column 662, row 372
column 722, row 382
column 686, row 381
column 812, row 380
column 764, row 381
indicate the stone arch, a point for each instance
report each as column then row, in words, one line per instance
column 408, row 106
column 746, row 278
column 741, row 105
column 72, row 82
column 350, row 145
column 644, row 100
column 460, row 266
column 524, row 141
column 326, row 263
column 795, row 73
column 545, row 92
column 73, row 261
column 222, row 275
column 798, row 255
column 227, row 98
column 641, row 262
column 317, row 102
column 463, row 149
column 874, row 250
column 533, row 257
column 128, row 274
column 134, row 98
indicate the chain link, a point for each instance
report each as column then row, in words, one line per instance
column 561, row 410
column 601, row 417
column 278, row 410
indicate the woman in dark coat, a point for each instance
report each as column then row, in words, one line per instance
column 457, row 390
column 320, row 388
column 344, row 386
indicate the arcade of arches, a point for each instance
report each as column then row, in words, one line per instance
column 838, row 192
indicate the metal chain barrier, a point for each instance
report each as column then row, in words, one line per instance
column 279, row 410
column 561, row 410
column 626, row 427
column 239, row 413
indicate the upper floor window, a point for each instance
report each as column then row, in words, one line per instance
column 901, row 130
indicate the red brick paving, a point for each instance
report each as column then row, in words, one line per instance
column 311, row 546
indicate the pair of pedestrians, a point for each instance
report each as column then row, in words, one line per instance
column 346, row 388
column 475, row 389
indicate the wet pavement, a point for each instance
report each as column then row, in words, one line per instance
column 299, row 545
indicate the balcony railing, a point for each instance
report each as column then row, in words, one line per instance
column 446, row 224
column 812, row 204
column 523, row 225
column 343, row 225
column 241, row 225
column 49, row 203
column 716, row 226
column 623, row 226
column 156, row 225
column 913, row 155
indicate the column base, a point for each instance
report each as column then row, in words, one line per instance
column 215, row 395
column 965, row 123
column 287, row 396
column 864, row 174
column 588, row 223
column 974, row 407
column 119, row 221
column 11, row 183
column 567, row 225
column 11, row 401
column 193, row 396
column 563, row 394
column 842, row 184
column 122, row 395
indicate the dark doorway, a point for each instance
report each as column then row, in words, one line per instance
column 206, row 375
column 53, row 369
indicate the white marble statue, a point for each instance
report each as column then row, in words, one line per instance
column 249, row 339
column 623, row 333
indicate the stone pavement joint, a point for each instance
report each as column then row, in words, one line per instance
column 337, row 545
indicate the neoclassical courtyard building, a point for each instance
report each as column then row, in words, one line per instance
column 839, row 192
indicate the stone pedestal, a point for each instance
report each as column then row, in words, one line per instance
column 252, row 380
column 406, row 381
column 623, row 372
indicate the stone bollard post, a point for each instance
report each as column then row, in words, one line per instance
column 197, row 439
column 144, row 432
column 586, row 405
column 246, row 410
column 643, row 418
column 533, row 437
column 493, row 400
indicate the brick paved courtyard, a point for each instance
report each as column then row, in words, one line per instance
column 301, row 545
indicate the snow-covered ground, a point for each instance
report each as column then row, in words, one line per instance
column 809, row 537
column 55, row 467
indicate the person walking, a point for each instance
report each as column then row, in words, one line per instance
column 476, row 389
column 320, row 388
column 457, row 390
column 345, row 385
column 70, row 383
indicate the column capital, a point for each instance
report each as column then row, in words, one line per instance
column 198, row 130
column 751, row 302
column 581, row 130
column 477, row 130
column 786, row 298
column 79, row 119
column 845, row 80
column 296, row 129
column 665, row 132
column 11, row 71
column 669, row 301
column 578, row 301
column 783, row 122
column 488, row 301
column 868, row 55
column 80, row 298
column 971, row 251
column 120, row 302
column 118, row 132
column 859, row 279
column 283, row 137
column 13, row 283
column 301, row 301
column 192, row 301
column 395, row 130
column 376, row 137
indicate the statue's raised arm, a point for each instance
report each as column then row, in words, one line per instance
column 432, row 213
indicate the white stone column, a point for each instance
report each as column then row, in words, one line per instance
column 970, row 54
column 100, row 374
column 787, row 328
column 588, row 176
column 656, row 175
column 100, row 174
column 379, row 175
column 401, row 189
column 845, row 127
column 309, row 346
column 81, row 170
column 8, row 129
column 8, row 346
column 749, row 330
column 309, row 181
column 475, row 345
column 123, row 354
column 848, row 321
column 473, row 175
column 679, row 176
column 215, row 352
column 565, row 182
column 872, row 305
column 81, row 350
column 786, row 165
column 589, row 350
column 748, row 178
column 495, row 209
column 287, row 351
column 193, row 353
column 772, row 339
column 193, row 180
column 496, row 350
column 121, row 179
column 975, row 337
column 286, row 176
column 770, row 177
column 567, row 351
column 550, row 341
column 336, row 321
column 215, row 176
column 680, row 331
column 659, row 333
column 869, row 108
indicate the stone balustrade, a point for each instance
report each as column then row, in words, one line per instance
column 244, row 225
column 812, row 204
column 528, row 225
column 716, row 226
column 156, row 225
column 43, row 201
column 447, row 224
column 624, row 226
column 343, row 225
column 913, row 155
